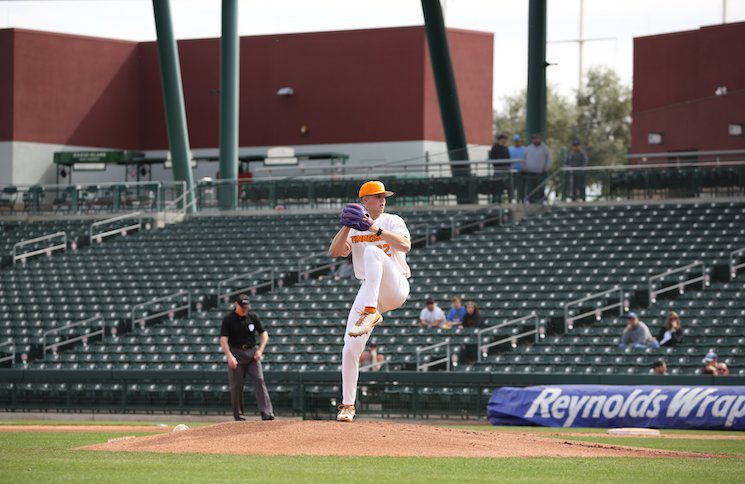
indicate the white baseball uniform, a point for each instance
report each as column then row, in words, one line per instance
column 384, row 273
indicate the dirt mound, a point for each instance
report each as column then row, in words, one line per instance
column 292, row 437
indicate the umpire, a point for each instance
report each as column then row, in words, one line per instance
column 238, row 342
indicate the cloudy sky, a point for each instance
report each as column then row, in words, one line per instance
column 618, row 21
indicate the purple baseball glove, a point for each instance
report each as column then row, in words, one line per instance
column 354, row 216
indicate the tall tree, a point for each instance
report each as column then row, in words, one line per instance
column 600, row 116
column 604, row 117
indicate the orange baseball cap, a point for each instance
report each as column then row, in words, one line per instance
column 373, row 188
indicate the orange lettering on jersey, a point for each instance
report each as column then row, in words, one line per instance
column 365, row 238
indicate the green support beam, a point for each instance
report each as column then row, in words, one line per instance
column 173, row 97
column 229, row 97
column 447, row 91
column 536, row 109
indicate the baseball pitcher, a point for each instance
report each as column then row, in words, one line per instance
column 378, row 242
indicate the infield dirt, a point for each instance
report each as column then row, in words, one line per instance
column 372, row 438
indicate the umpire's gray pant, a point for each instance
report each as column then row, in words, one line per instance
column 237, row 377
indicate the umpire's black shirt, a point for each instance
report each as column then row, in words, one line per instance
column 241, row 330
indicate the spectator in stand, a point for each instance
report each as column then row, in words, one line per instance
column 576, row 158
column 472, row 319
column 659, row 367
column 636, row 334
column 370, row 356
column 517, row 152
column 500, row 151
column 537, row 163
column 671, row 334
column 456, row 314
column 431, row 316
column 712, row 366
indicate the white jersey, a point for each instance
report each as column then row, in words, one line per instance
column 359, row 240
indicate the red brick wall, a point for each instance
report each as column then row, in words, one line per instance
column 675, row 77
column 350, row 86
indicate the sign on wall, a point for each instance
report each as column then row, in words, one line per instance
column 669, row 407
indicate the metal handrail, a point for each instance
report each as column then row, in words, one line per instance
column 246, row 288
column 424, row 366
column 121, row 230
column 25, row 255
column 169, row 297
column 456, row 229
column 684, row 153
column 732, row 264
column 621, row 304
column 541, row 186
column 85, row 322
column 537, row 332
column 678, row 285
column 383, row 365
column 12, row 351
column 314, row 255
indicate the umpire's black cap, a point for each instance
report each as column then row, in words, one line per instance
column 242, row 300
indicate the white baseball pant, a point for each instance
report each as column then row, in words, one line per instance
column 384, row 288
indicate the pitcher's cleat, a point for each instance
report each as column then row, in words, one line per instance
column 346, row 413
column 366, row 323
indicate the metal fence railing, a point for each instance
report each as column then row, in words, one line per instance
column 597, row 311
column 679, row 284
column 484, row 344
column 57, row 241
column 123, row 227
column 174, row 302
column 87, row 323
column 734, row 266
column 230, row 283
column 9, row 352
column 425, row 365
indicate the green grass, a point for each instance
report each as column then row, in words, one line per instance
column 119, row 423
column 580, row 430
column 33, row 457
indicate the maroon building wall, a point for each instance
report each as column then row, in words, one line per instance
column 350, row 86
column 675, row 78
column 472, row 57
column 74, row 90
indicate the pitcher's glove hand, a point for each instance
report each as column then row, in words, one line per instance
column 354, row 216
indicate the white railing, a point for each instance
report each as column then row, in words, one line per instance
column 622, row 304
column 733, row 265
column 225, row 296
column 679, row 285
column 12, row 356
column 424, row 366
column 87, row 322
column 187, row 199
column 381, row 365
column 170, row 297
column 304, row 273
column 46, row 250
column 538, row 331
column 98, row 236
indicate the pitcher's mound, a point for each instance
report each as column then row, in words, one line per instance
column 360, row 438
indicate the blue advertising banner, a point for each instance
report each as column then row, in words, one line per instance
column 664, row 407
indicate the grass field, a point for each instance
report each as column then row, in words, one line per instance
column 30, row 456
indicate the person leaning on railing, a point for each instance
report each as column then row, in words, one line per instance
column 537, row 163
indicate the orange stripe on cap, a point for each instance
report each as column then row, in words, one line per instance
column 374, row 188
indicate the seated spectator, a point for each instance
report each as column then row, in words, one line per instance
column 671, row 334
column 636, row 334
column 472, row 319
column 431, row 316
column 370, row 356
column 456, row 314
column 714, row 367
column 345, row 270
column 659, row 367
